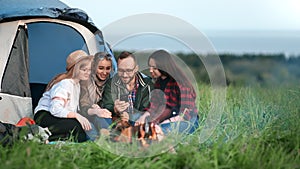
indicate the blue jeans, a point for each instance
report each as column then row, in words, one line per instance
column 102, row 123
column 133, row 118
column 97, row 124
column 185, row 127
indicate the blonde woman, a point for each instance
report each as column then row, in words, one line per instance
column 58, row 108
column 91, row 95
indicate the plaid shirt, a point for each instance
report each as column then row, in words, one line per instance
column 173, row 100
column 131, row 97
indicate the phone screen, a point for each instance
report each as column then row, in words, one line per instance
column 124, row 98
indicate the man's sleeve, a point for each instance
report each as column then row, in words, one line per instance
column 107, row 101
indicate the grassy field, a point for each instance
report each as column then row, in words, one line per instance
column 258, row 128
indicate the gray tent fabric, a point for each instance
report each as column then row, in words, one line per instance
column 15, row 9
column 15, row 79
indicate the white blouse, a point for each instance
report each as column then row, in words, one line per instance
column 61, row 99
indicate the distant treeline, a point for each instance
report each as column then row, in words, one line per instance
column 246, row 69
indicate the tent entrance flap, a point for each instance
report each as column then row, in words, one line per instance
column 49, row 45
column 15, row 78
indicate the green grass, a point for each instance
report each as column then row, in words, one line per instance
column 258, row 128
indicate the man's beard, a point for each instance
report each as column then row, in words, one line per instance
column 128, row 80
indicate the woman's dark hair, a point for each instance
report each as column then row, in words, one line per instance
column 168, row 67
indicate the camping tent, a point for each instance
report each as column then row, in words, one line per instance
column 36, row 37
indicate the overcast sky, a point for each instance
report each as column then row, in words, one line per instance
column 204, row 15
column 213, row 18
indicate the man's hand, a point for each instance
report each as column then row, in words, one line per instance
column 124, row 116
column 120, row 106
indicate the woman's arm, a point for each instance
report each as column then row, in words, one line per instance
column 85, row 100
column 60, row 94
column 165, row 114
column 85, row 123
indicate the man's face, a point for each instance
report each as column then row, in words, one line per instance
column 127, row 69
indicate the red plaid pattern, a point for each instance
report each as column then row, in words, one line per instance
column 175, row 96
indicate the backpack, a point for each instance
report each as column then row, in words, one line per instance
column 25, row 129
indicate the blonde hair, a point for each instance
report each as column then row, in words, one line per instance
column 71, row 73
column 92, row 89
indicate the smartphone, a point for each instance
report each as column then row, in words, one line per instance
column 124, row 97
